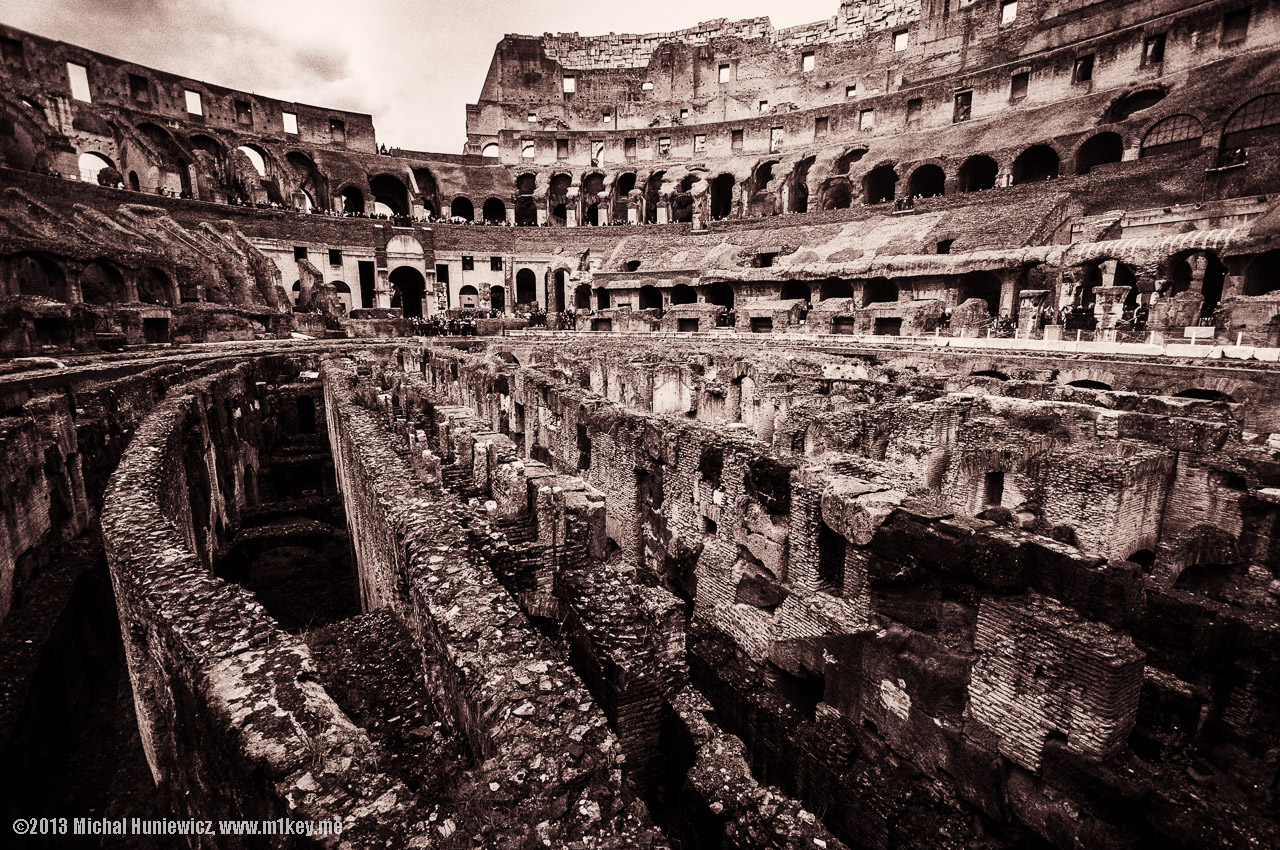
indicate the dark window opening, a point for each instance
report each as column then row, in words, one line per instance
column 915, row 108
column 888, row 326
column 992, row 488
column 735, row 141
column 337, row 130
column 366, row 284
column 1235, row 26
column 335, row 257
column 1083, row 71
column 584, row 448
column 687, row 326
column 1153, row 49
column 1018, row 86
column 831, row 559
column 761, row 324
column 139, row 88
column 299, row 252
column 495, row 264
column 963, row 107
column 708, row 525
column 944, row 247
column 11, row 49
column 306, row 414
column 468, row 264
column 244, row 112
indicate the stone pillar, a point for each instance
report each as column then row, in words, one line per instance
column 1108, row 304
column 1034, row 302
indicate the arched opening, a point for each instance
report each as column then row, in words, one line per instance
column 462, row 208
column 591, row 216
column 1172, row 135
column 989, row 373
column 490, row 150
column 722, row 196
column 582, row 297
column 1256, row 120
column 927, row 181
column 390, row 195
column 101, row 284
column 428, row 189
column 494, row 211
column 653, row 196
column 838, row 195
column 879, row 185
column 984, row 286
column 977, row 174
column 795, row 290
column 91, row 164
column 309, row 181
column 622, row 193
column 409, row 286
column 1086, row 384
column 134, row 183
column 798, row 200
column 498, row 299
column 1092, row 279
column 650, row 298
column 256, row 159
column 468, row 297
column 154, row 287
column 720, row 293
column 1099, row 150
column 1262, row 277
column 879, row 290
column 835, row 288
column 527, row 183
column 526, row 287
column 602, row 298
column 526, row 211
column 560, row 215
column 682, row 293
column 1132, row 103
column 39, row 277
column 1204, row 394
column 560, row 278
column 1038, row 162
column 593, row 186
column 849, row 158
column 352, row 201
column 1145, row 558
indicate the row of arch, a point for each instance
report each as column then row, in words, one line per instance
column 101, row 282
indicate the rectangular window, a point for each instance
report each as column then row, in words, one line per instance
column 468, row 264
column 79, row 77
column 1008, row 11
column 807, row 61
column 1083, row 72
column 1018, row 85
column 533, row 118
column 299, row 252
column 1153, row 49
column 725, row 71
column 194, row 104
column 442, row 272
column 629, row 148
column 915, row 107
column 832, row 549
column 900, row 40
column 735, row 141
column 699, row 143
column 646, row 86
column 606, row 118
column 570, row 85
column 664, row 146
column 10, row 49
column 139, row 89
column 963, row 107
column 775, row 139
column 335, row 257
column 867, row 120
column 1235, row 26
column 338, row 130
column 764, row 106
column 526, row 149
column 684, row 113
column 597, row 151
column 821, row 126
column 290, row 123
column 495, row 264
column 851, row 90
column 562, row 148
column 244, row 113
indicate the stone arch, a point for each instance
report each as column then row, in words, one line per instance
column 498, row 298
column 352, row 201
column 978, row 173
column 1173, row 134
column 527, row 183
column 1133, row 102
column 494, row 211
column 491, row 150
column 526, row 287
column 835, row 288
column 650, row 298
column 526, row 211
column 720, row 293
column 1093, row 378
column 1262, row 275
column 847, row 159
column 1036, row 163
column 309, row 180
column 468, row 297
column 1256, row 118
column 795, row 290
column 983, row 285
column 1099, row 149
column 683, row 293
column 879, row 185
column 582, row 296
column 91, row 164
column 461, row 207
column 837, row 194
column 428, row 189
column 409, row 287
column 390, row 195
column 722, row 196
column 101, row 283
column 926, row 181
column 626, row 182
column 798, row 194
column 155, row 287
column 653, row 196
column 879, row 290
column 37, row 276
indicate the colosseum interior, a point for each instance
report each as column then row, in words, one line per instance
column 863, row 434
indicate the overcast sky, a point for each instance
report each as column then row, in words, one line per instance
column 413, row 64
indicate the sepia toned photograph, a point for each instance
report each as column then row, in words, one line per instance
column 732, row 425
